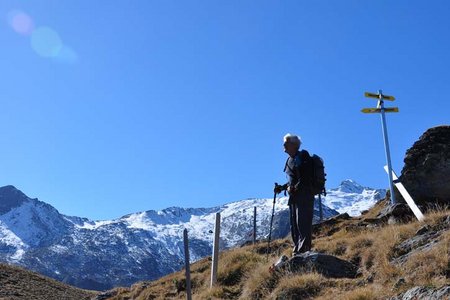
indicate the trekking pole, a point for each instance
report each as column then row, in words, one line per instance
column 324, row 191
column 271, row 221
column 320, row 209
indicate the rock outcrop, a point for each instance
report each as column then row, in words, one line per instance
column 426, row 174
column 422, row 292
column 423, row 241
column 325, row 264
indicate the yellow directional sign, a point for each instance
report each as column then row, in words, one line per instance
column 390, row 98
column 377, row 110
column 377, row 96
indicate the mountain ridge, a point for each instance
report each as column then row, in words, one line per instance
column 137, row 246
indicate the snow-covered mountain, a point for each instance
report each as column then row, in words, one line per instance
column 140, row 246
column 352, row 198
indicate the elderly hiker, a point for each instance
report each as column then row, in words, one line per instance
column 298, row 169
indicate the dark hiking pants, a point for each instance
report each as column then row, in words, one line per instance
column 301, row 216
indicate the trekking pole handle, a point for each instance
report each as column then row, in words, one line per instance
column 275, row 193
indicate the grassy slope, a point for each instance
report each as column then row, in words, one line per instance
column 17, row 283
column 244, row 272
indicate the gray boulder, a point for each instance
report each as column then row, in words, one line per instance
column 426, row 173
column 327, row 265
column 395, row 212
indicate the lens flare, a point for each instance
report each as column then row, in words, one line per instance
column 46, row 42
column 67, row 55
column 20, row 22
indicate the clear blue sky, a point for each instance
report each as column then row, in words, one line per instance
column 114, row 107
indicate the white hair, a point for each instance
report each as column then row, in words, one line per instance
column 292, row 138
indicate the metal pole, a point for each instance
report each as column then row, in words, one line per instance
column 386, row 147
column 215, row 257
column 271, row 222
column 186, row 262
column 254, row 225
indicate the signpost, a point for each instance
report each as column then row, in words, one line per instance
column 382, row 110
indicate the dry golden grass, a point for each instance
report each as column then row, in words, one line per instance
column 259, row 283
column 430, row 267
column 18, row 283
column 235, row 264
column 363, row 293
column 304, row 286
column 244, row 272
column 218, row 292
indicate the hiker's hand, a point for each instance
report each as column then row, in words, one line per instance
column 279, row 188
column 291, row 189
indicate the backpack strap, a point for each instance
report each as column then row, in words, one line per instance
column 305, row 158
column 286, row 165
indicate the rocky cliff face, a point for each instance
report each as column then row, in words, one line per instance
column 426, row 174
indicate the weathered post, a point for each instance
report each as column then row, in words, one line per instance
column 215, row 256
column 187, row 265
column 254, row 225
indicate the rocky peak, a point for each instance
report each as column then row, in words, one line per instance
column 10, row 197
column 350, row 186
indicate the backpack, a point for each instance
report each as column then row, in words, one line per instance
column 318, row 175
column 316, row 171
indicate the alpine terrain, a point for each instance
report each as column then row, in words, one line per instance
column 144, row 245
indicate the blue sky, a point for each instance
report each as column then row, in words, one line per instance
column 114, row 107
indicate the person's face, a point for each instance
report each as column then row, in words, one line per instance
column 290, row 148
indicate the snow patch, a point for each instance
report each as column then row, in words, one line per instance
column 92, row 225
column 139, row 221
column 18, row 255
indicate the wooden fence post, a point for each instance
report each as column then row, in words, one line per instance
column 215, row 257
column 187, row 264
column 254, row 225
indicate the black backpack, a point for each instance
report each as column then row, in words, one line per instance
column 318, row 175
column 314, row 173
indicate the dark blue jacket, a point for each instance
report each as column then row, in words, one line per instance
column 298, row 171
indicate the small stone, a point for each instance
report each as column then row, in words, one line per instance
column 399, row 283
column 423, row 229
column 392, row 220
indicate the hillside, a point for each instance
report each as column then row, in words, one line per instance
column 17, row 283
column 392, row 259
